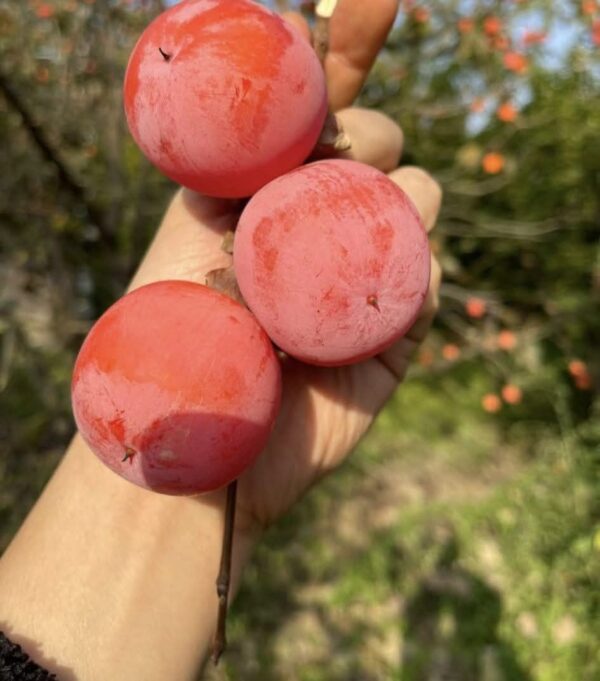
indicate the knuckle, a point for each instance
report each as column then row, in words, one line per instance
column 429, row 185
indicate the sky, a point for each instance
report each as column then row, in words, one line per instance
column 563, row 33
column 561, row 36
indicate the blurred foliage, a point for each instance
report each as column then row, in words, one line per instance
column 499, row 101
column 466, row 558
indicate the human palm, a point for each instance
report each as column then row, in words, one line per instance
column 325, row 411
column 90, row 609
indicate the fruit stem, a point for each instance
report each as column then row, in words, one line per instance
column 224, row 577
column 373, row 302
column 129, row 454
column 224, row 281
column 324, row 12
column 333, row 139
column 166, row 56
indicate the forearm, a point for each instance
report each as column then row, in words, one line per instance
column 112, row 581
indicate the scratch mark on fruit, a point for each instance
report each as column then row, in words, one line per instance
column 334, row 302
column 117, row 427
column 167, row 149
column 245, row 89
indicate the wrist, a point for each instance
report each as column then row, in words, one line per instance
column 201, row 517
column 115, row 581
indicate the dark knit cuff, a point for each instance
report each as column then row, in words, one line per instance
column 16, row 665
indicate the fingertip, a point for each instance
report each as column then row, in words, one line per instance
column 423, row 190
column 358, row 31
column 376, row 139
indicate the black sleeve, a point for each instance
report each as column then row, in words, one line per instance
column 16, row 665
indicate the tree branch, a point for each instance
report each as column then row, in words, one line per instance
column 52, row 156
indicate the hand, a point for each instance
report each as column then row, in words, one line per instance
column 101, row 565
column 324, row 411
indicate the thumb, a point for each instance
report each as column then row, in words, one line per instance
column 188, row 243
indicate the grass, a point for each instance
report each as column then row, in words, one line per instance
column 448, row 548
column 453, row 545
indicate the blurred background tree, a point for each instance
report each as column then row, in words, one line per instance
column 475, row 554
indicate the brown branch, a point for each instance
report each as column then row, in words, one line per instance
column 224, row 577
column 52, row 156
column 333, row 140
column 323, row 13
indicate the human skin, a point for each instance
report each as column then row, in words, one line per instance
column 108, row 581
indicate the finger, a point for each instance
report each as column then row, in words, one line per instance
column 375, row 139
column 357, row 32
column 426, row 194
column 431, row 306
column 188, row 243
column 424, row 191
column 299, row 22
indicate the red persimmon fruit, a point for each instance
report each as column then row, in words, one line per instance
column 224, row 96
column 176, row 388
column 333, row 260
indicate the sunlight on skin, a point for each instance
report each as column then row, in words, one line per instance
column 149, row 558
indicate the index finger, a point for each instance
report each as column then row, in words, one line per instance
column 357, row 32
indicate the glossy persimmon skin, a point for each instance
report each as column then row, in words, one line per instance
column 334, row 261
column 223, row 96
column 176, row 388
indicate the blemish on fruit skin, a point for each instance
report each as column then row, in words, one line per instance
column 233, row 384
column 383, row 236
column 300, row 87
column 264, row 362
column 334, row 302
column 166, row 455
column 373, row 301
column 117, row 427
column 166, row 148
column 374, row 267
column 269, row 259
column 241, row 92
column 129, row 454
column 226, row 33
column 266, row 250
column 262, row 232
